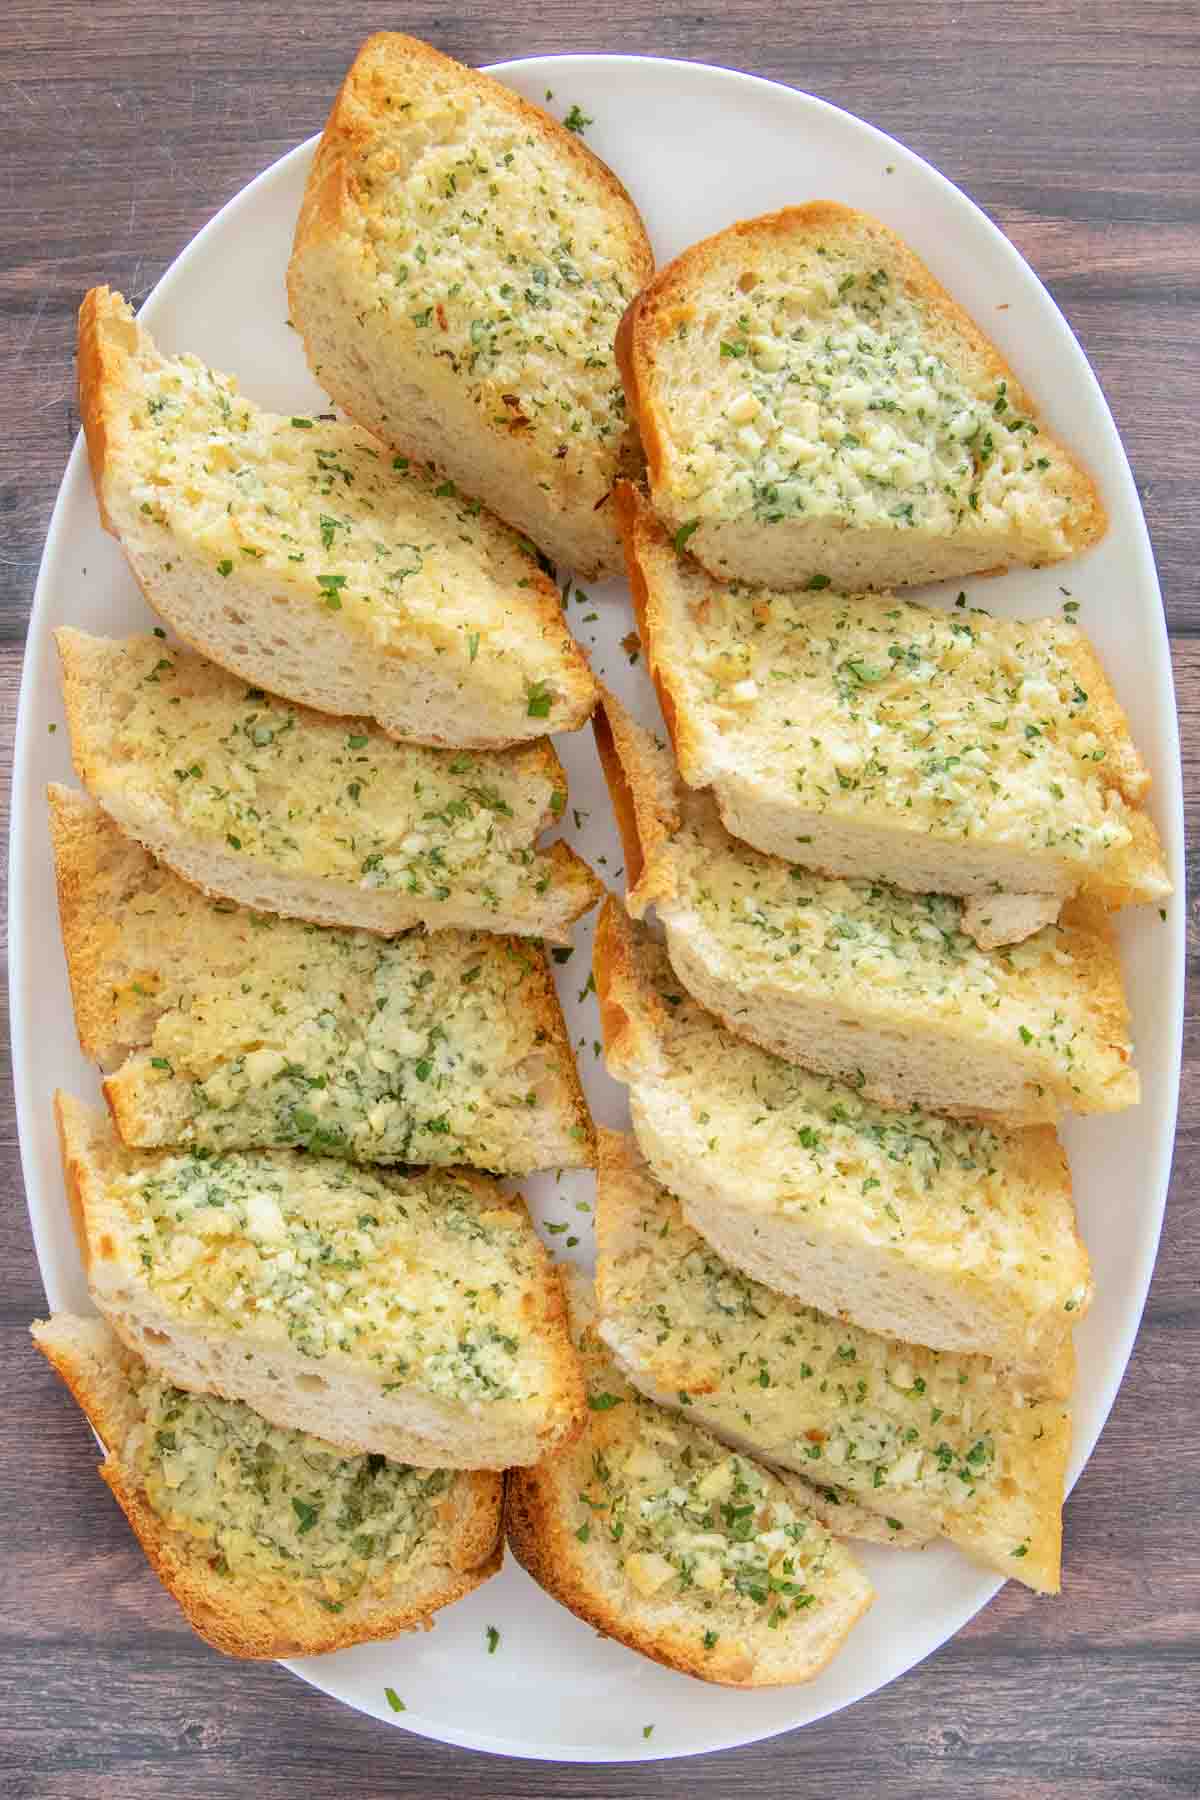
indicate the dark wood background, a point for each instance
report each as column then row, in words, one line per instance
column 1076, row 125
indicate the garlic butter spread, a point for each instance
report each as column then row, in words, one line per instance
column 275, row 1505
column 493, row 260
column 424, row 1279
column 325, row 798
column 962, row 726
column 964, row 1195
column 890, row 1423
column 686, row 1519
column 823, row 396
column 418, row 1049
column 901, row 955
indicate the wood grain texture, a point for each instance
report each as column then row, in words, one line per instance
column 1075, row 124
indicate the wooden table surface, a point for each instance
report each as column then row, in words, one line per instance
column 1076, row 125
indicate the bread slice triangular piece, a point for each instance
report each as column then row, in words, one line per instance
column 650, row 1529
column 869, row 983
column 228, row 1029
column 460, row 267
column 307, row 559
column 867, row 736
column 289, row 811
column 417, row 1316
column 817, row 410
column 953, row 1234
column 272, row 1542
column 937, row 1441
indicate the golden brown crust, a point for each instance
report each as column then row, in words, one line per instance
column 242, row 1617
column 72, row 1122
column 639, row 528
column 534, row 1527
column 640, row 780
column 630, row 354
column 655, row 312
column 101, row 371
column 632, row 1019
column 611, row 953
column 90, row 897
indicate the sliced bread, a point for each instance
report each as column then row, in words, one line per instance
column 289, row 811
column 869, row 983
column 460, row 267
column 953, row 1234
column 648, row 1528
column 939, row 1442
column 272, row 1542
column 870, row 737
column 816, row 409
column 228, row 1029
column 415, row 1316
column 302, row 556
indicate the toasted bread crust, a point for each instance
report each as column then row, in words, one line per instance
column 101, row 372
column 78, row 839
column 244, row 1618
column 638, row 522
column 646, row 809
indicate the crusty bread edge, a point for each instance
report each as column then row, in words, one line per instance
column 640, row 527
column 69, row 840
column 101, row 368
column 639, row 778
